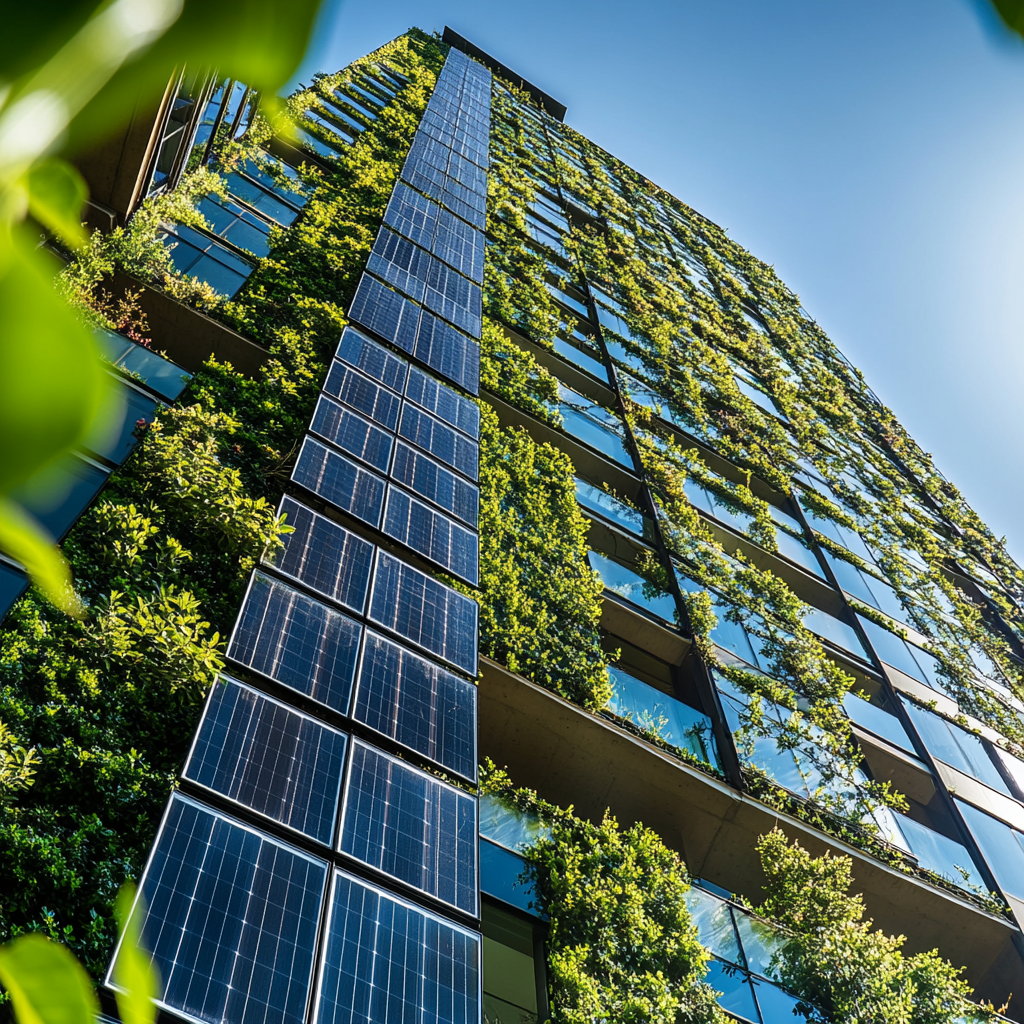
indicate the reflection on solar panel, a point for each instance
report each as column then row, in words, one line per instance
column 339, row 481
column 418, row 332
column 231, row 919
column 443, row 402
column 440, row 440
column 418, row 704
column 411, row 826
column 439, row 485
column 270, row 758
column 323, row 555
column 362, row 394
column 351, row 433
column 383, row 366
column 419, row 608
column 433, row 535
column 412, row 215
column 389, row 961
column 296, row 641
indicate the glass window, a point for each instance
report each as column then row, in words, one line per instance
column 737, row 995
column 594, row 425
column 834, row 630
column 877, row 720
column 167, row 379
column 505, row 824
column 714, row 924
column 608, row 507
column 1002, row 846
column 13, row 583
column 908, row 658
column 194, row 254
column 673, row 721
column 241, row 228
column 633, row 588
column 938, row 853
column 581, row 358
column 796, row 550
column 60, row 496
column 510, row 974
column 117, row 444
column 957, row 747
column 261, row 172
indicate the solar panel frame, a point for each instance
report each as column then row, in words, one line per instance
column 373, row 359
column 417, row 704
column 442, row 402
column 368, row 930
column 298, row 872
column 318, row 542
column 305, row 796
column 443, row 442
column 359, row 392
column 442, row 486
column 411, row 826
column 424, row 612
column 320, row 665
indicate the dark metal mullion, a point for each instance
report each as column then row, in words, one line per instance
column 903, row 716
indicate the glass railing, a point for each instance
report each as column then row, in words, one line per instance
column 632, row 587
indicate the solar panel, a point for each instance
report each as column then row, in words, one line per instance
column 385, row 312
column 417, row 704
column 339, row 481
column 323, row 555
column 433, row 342
column 444, row 403
column 424, row 611
column 389, row 961
column 270, row 758
column 449, row 352
column 432, row 535
column 351, row 433
column 412, row 215
column 460, row 245
column 375, row 360
column 453, row 296
column 444, row 443
column 231, row 919
column 435, row 483
column 296, row 641
column 410, row 826
column 440, row 187
column 396, row 260
column 357, row 390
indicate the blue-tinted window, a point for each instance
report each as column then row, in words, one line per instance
column 167, row 379
column 117, row 444
column 418, row 704
column 838, row 632
column 236, row 225
column 503, row 875
column 63, row 494
column 362, row 394
column 938, row 853
column 439, row 485
column 421, row 609
column 13, row 583
column 387, row 960
column 269, row 757
column 261, row 199
column 231, row 919
column 737, row 995
column 432, row 535
column 877, row 720
column 339, row 481
column 713, row 920
column 260, row 172
column 1002, row 846
column 624, row 582
column 609, row 507
column 296, row 641
column 908, row 658
column 957, row 747
column 577, row 423
column 194, row 254
column 324, row 556
column 654, row 711
column 411, row 826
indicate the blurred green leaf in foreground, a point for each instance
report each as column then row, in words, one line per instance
column 70, row 73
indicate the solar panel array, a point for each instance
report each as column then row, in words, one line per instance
column 338, row 635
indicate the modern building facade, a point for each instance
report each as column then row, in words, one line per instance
column 569, row 481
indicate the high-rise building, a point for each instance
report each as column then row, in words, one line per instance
column 504, row 455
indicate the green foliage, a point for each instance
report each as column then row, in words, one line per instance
column 46, row 984
column 134, row 975
column 621, row 945
column 844, row 970
column 540, row 601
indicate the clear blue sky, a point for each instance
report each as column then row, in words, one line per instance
column 873, row 152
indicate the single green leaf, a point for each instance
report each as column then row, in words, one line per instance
column 1012, row 13
column 25, row 540
column 56, row 195
column 52, row 383
column 47, row 985
column 134, row 974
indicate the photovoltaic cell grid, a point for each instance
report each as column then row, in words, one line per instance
column 270, row 758
column 375, row 360
column 387, row 960
column 418, row 332
column 296, row 641
column 351, row 433
column 439, row 485
column 427, row 280
column 440, row 440
column 433, row 535
column 355, row 389
column 340, row 481
column 411, row 826
column 324, row 556
column 417, row 704
column 231, row 919
column 424, row 611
